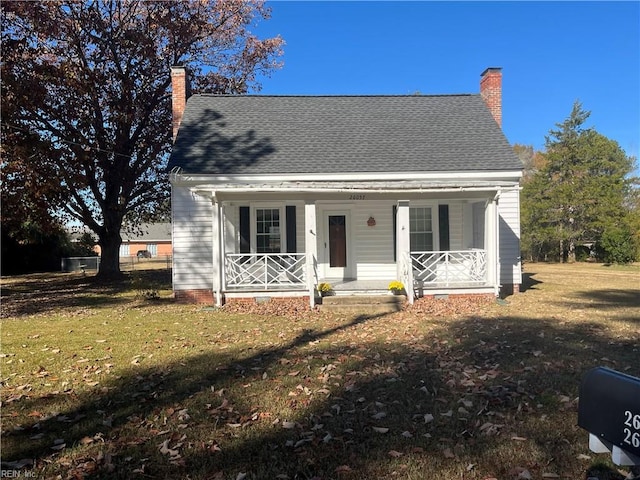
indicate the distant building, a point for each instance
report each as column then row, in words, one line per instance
column 154, row 238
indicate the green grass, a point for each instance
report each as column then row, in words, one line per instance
column 144, row 388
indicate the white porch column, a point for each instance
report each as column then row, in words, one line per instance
column 311, row 248
column 217, row 249
column 492, row 243
column 403, row 247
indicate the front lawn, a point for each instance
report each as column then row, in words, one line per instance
column 120, row 382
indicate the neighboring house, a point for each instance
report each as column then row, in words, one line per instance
column 272, row 195
column 154, row 238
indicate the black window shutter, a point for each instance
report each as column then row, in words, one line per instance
column 443, row 223
column 245, row 230
column 395, row 237
column 290, row 218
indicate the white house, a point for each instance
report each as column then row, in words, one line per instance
column 272, row 195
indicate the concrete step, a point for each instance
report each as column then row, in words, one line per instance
column 362, row 299
column 368, row 304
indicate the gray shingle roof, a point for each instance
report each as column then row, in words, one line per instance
column 149, row 232
column 224, row 134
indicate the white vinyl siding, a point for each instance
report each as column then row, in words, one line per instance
column 374, row 245
column 231, row 214
column 456, row 226
column 509, row 230
column 192, row 240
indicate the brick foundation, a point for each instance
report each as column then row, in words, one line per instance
column 194, row 296
column 509, row 289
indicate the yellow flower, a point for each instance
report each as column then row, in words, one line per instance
column 396, row 285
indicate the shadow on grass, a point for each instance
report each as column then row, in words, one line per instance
column 528, row 282
column 42, row 293
column 496, row 394
column 612, row 299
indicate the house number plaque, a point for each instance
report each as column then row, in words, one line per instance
column 356, row 196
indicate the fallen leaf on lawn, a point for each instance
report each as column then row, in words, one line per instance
column 582, row 456
column 523, row 473
column 288, row 425
column 379, row 415
column 428, row 418
column 380, row 429
column 519, row 439
column 447, row 414
column 407, row 434
column 448, row 453
column 343, row 469
column 395, row 453
column 241, row 476
column 550, row 475
column 165, row 450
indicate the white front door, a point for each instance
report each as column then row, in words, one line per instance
column 338, row 257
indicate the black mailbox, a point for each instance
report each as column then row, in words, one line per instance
column 609, row 409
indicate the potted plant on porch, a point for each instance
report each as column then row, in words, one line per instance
column 324, row 289
column 397, row 288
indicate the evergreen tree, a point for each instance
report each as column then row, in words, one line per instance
column 580, row 191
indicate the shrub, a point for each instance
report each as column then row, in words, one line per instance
column 618, row 245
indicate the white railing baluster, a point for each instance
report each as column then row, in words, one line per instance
column 265, row 270
column 450, row 267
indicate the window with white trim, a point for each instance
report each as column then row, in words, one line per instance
column 124, row 249
column 268, row 233
column 421, row 229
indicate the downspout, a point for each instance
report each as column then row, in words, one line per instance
column 497, row 284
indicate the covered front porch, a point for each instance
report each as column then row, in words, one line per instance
column 281, row 246
column 286, row 274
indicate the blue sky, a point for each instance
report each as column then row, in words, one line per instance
column 551, row 53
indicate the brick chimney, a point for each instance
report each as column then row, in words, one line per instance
column 180, row 91
column 491, row 91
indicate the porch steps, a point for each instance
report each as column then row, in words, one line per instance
column 369, row 304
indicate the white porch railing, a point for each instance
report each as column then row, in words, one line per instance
column 450, row 268
column 265, row 270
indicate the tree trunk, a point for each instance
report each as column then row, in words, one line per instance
column 571, row 255
column 110, row 240
column 110, row 256
column 561, row 251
